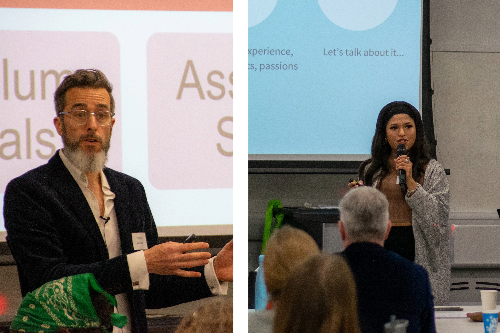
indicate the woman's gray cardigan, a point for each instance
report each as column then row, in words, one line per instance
column 430, row 212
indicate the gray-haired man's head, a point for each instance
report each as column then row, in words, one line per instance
column 364, row 212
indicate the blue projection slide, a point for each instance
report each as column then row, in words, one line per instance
column 320, row 71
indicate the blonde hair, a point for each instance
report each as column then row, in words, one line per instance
column 287, row 248
column 213, row 317
column 321, row 298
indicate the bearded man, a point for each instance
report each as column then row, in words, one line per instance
column 74, row 216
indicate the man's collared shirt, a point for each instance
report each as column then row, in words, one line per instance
column 108, row 225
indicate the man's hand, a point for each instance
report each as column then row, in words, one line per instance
column 170, row 258
column 223, row 263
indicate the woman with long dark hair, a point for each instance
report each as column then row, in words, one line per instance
column 418, row 211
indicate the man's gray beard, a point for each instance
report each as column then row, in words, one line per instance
column 85, row 162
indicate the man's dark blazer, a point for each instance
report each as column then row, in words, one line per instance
column 388, row 284
column 52, row 233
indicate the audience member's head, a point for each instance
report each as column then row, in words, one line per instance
column 364, row 216
column 214, row 317
column 286, row 249
column 320, row 298
column 71, row 304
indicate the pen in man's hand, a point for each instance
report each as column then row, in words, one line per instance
column 190, row 239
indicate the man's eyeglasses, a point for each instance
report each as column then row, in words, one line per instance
column 81, row 117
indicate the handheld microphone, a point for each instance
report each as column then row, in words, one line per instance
column 401, row 150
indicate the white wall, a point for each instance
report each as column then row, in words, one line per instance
column 465, row 68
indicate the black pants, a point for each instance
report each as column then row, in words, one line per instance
column 401, row 241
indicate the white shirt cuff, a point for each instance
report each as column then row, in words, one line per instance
column 217, row 287
column 138, row 270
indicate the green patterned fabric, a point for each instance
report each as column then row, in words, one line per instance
column 66, row 302
column 268, row 229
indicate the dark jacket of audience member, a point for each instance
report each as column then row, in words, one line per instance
column 387, row 284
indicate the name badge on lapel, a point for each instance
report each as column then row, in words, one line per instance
column 139, row 241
